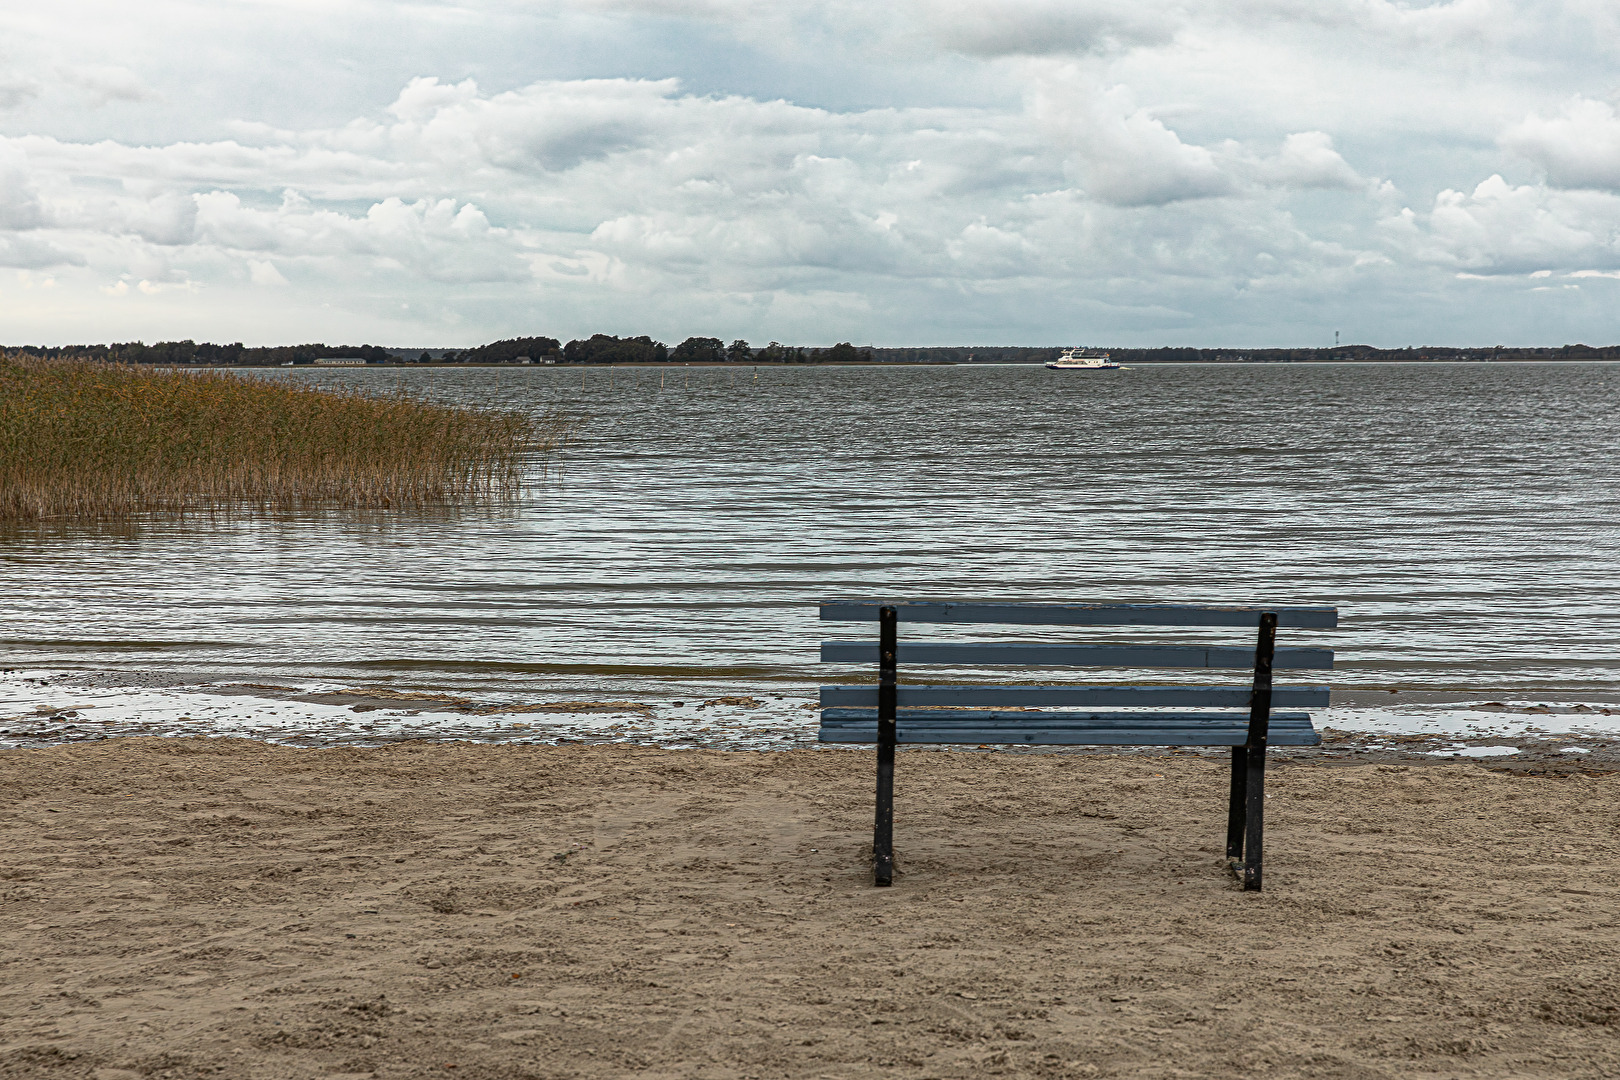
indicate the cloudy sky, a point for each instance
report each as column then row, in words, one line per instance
column 1214, row 172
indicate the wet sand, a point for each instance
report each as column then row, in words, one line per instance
column 187, row 908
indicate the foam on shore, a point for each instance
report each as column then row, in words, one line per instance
column 54, row 707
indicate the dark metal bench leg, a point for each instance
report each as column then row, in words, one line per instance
column 1236, row 804
column 1254, row 785
column 883, row 827
column 1255, row 825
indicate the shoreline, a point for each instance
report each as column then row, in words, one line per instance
column 48, row 708
column 193, row 907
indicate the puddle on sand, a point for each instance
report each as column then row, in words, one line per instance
column 1474, row 751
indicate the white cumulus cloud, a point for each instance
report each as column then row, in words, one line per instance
column 1505, row 228
column 1578, row 148
column 1307, row 159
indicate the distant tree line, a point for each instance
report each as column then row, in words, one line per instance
column 1020, row 354
column 192, row 352
column 513, row 351
column 1368, row 354
column 596, row 349
column 607, row 349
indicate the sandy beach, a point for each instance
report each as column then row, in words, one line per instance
column 189, row 907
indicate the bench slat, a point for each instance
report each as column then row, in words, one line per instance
column 1000, row 696
column 1082, row 614
column 1074, row 729
column 1020, row 717
column 1117, row 737
column 976, row 654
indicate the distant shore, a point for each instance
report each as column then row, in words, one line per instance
column 609, row 351
column 744, row 365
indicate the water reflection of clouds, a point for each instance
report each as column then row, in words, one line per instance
column 1456, row 514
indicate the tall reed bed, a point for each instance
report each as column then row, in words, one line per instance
column 81, row 440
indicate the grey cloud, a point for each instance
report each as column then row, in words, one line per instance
column 558, row 151
column 721, row 10
column 31, row 253
column 19, row 200
column 993, row 28
column 17, row 90
column 103, row 84
column 169, row 219
column 552, row 126
column 1151, row 170
column 989, row 28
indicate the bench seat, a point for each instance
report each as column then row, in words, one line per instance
column 974, row 726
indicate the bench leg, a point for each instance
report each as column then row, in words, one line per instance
column 1254, row 783
column 883, row 827
column 1236, row 803
column 1255, row 819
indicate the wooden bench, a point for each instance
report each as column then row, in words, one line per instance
column 890, row 713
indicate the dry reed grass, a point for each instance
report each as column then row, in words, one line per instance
column 89, row 441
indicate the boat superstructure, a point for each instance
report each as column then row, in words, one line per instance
column 1081, row 360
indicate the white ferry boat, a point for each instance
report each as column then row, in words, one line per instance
column 1080, row 360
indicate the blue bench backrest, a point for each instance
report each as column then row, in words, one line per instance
column 1080, row 614
column 851, row 703
column 1039, row 654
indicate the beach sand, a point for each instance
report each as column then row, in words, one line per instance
column 197, row 908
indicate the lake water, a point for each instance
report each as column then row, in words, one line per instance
column 1464, row 518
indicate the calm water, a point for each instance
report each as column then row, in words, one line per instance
column 1465, row 518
